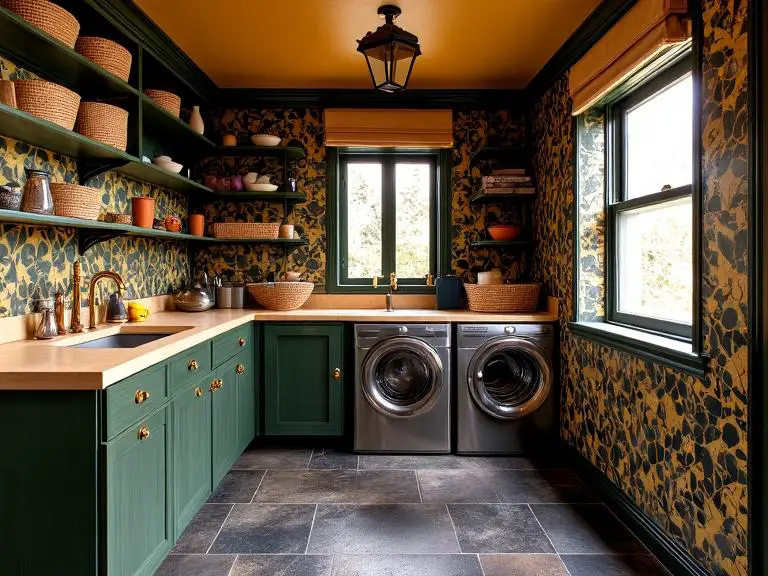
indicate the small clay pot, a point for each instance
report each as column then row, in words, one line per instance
column 196, row 224
column 143, row 211
column 173, row 223
column 229, row 140
column 286, row 231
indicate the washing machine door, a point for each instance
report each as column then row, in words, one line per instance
column 402, row 376
column 509, row 377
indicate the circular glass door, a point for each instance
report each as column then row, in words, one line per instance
column 402, row 376
column 509, row 378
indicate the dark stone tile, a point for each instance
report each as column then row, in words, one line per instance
column 382, row 529
column 442, row 462
column 613, row 565
column 585, row 529
column 523, row 565
column 540, row 486
column 265, row 529
column 457, row 486
column 199, row 535
column 282, row 565
column 407, row 565
column 498, row 529
column 237, row 486
column 332, row 460
column 339, row 486
column 273, row 458
column 195, row 565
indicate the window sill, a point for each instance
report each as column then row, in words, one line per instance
column 666, row 351
column 382, row 289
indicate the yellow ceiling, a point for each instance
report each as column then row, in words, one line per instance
column 312, row 43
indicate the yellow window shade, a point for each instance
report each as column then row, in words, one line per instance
column 389, row 128
column 650, row 28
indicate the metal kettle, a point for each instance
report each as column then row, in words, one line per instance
column 198, row 296
column 47, row 328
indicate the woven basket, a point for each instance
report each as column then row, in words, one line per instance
column 116, row 218
column 47, row 16
column 103, row 122
column 503, row 297
column 166, row 100
column 48, row 101
column 281, row 295
column 76, row 201
column 246, row 230
column 107, row 54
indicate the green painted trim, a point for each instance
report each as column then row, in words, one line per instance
column 286, row 152
column 444, row 224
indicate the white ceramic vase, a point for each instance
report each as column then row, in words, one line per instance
column 196, row 120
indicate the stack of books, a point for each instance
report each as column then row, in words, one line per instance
column 509, row 181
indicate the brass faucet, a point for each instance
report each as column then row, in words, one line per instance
column 92, row 293
column 393, row 281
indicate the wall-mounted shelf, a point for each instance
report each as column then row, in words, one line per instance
column 481, row 198
column 275, row 197
column 502, row 244
column 287, row 152
column 181, row 140
column 272, row 241
column 509, row 156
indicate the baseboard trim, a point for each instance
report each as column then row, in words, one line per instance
column 675, row 558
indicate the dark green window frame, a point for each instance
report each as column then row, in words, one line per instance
column 440, row 214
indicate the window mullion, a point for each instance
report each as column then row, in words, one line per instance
column 388, row 216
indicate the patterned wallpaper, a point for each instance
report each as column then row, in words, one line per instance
column 676, row 444
column 304, row 127
column 35, row 262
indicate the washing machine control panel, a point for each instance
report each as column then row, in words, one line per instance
column 509, row 329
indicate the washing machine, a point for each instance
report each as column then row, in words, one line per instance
column 507, row 402
column 403, row 388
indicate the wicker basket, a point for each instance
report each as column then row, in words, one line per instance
column 76, row 201
column 503, row 297
column 281, row 295
column 166, row 100
column 103, row 122
column 47, row 16
column 246, row 230
column 116, row 218
column 48, row 101
column 107, row 54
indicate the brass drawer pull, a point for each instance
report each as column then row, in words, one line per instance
column 240, row 369
column 241, row 341
column 143, row 433
column 141, row 396
column 216, row 384
column 193, row 365
column 337, row 374
column 198, row 392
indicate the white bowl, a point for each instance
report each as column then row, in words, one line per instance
column 265, row 140
column 261, row 187
column 174, row 167
column 250, row 178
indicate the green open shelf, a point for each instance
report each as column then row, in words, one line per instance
column 287, row 152
column 481, row 198
column 158, row 123
column 275, row 197
column 502, row 244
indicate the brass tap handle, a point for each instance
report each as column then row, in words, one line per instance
column 375, row 282
column 143, row 433
column 198, row 392
column 241, row 342
column 393, row 281
column 240, row 369
column 430, row 279
column 215, row 385
column 193, row 365
column 141, row 396
column 337, row 374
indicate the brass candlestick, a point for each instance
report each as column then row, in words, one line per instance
column 59, row 313
column 76, row 326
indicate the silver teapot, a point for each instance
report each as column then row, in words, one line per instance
column 198, row 296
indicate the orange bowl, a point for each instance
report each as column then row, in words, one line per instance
column 505, row 231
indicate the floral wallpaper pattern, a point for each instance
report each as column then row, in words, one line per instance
column 675, row 443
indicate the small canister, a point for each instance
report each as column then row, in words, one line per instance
column 224, row 296
column 238, row 295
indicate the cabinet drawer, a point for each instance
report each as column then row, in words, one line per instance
column 188, row 366
column 230, row 343
column 132, row 399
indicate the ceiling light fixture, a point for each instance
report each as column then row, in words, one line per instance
column 390, row 52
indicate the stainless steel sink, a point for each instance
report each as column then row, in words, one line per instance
column 122, row 340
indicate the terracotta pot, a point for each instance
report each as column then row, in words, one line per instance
column 196, row 224
column 286, row 231
column 143, row 211
column 229, row 140
column 173, row 223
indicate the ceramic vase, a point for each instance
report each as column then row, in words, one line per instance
column 196, row 224
column 196, row 120
column 143, row 211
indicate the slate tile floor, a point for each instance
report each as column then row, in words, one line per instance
column 295, row 512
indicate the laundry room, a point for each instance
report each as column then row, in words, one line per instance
column 323, row 288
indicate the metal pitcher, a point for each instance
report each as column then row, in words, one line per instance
column 37, row 192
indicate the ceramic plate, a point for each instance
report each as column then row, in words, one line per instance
column 261, row 187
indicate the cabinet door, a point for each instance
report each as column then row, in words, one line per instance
column 224, row 427
column 303, row 382
column 191, row 433
column 246, row 399
column 138, row 518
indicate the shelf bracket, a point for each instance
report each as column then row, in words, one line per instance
column 92, row 167
column 88, row 238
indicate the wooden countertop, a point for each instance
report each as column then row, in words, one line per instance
column 53, row 365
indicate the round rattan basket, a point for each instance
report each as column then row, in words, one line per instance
column 107, row 54
column 76, row 201
column 116, row 218
column 503, row 297
column 48, row 101
column 103, row 122
column 246, row 230
column 281, row 295
column 47, row 16
column 166, row 100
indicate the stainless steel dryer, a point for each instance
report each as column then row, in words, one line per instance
column 507, row 400
column 403, row 388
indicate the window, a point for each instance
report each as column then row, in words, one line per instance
column 387, row 208
column 650, row 223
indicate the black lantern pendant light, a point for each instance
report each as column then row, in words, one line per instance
column 390, row 52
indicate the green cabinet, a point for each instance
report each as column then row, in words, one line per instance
column 138, row 520
column 225, row 448
column 191, row 438
column 303, row 379
column 247, row 410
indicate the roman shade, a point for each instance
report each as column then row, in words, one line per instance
column 650, row 29
column 388, row 128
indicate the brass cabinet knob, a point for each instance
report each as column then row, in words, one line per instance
column 141, row 396
column 143, row 433
column 198, row 392
column 337, row 374
column 193, row 365
column 216, row 384
column 240, row 369
column 241, row 341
